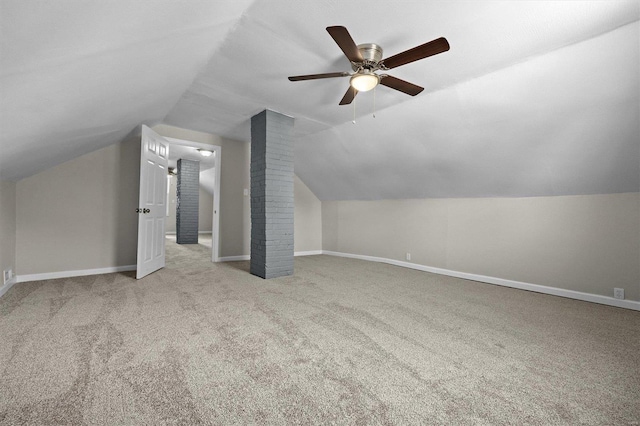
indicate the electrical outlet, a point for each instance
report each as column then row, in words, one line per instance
column 618, row 293
column 8, row 274
column 408, row 256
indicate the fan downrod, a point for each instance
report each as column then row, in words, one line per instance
column 371, row 55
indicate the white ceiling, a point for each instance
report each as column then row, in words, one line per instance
column 207, row 164
column 177, row 152
column 534, row 98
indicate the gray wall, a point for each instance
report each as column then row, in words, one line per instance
column 80, row 214
column 587, row 243
column 53, row 226
column 307, row 218
column 170, row 223
column 205, row 211
column 7, row 227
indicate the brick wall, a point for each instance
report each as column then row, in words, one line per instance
column 188, row 195
column 271, row 195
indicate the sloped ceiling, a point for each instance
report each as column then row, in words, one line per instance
column 534, row 98
column 79, row 75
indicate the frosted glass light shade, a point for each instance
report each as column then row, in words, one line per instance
column 205, row 152
column 363, row 82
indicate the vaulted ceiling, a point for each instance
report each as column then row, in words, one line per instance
column 534, row 98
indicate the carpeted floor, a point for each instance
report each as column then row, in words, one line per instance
column 343, row 341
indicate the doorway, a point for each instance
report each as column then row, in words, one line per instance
column 209, row 190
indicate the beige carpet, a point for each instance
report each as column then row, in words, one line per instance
column 343, row 341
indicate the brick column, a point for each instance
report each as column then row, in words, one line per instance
column 271, row 195
column 188, row 194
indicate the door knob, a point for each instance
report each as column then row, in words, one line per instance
column 138, row 210
column 146, row 211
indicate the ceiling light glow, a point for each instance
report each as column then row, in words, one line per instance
column 364, row 81
column 205, row 152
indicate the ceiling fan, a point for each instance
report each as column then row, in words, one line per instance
column 366, row 59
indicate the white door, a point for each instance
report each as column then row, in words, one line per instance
column 152, row 208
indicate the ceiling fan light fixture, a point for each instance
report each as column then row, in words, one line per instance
column 366, row 59
column 364, row 81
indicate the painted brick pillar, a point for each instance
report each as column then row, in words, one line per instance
column 271, row 195
column 188, row 195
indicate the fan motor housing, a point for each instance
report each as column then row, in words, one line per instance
column 371, row 53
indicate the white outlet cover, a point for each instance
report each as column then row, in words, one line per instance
column 618, row 293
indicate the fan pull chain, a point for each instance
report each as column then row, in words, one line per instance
column 374, row 102
column 354, row 112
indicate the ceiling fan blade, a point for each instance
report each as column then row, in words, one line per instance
column 316, row 76
column 434, row 47
column 401, row 85
column 342, row 37
column 349, row 96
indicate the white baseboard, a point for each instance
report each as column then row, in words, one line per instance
column 308, row 253
column 199, row 232
column 8, row 285
column 234, row 258
column 77, row 273
column 571, row 294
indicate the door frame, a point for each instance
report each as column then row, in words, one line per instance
column 217, row 149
